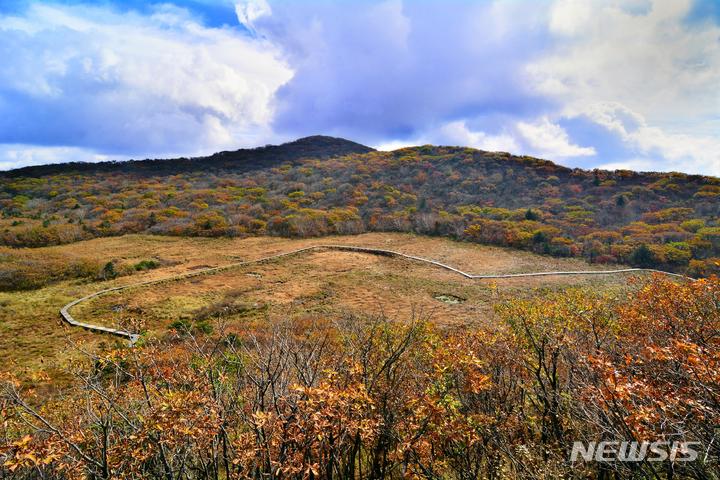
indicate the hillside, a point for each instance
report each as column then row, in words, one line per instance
column 320, row 185
column 368, row 360
column 345, row 363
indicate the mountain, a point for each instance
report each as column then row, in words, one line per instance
column 322, row 185
column 316, row 146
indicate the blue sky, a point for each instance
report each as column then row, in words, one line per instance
column 591, row 83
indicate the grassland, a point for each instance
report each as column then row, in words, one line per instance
column 32, row 338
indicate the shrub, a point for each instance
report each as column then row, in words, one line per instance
column 146, row 265
column 643, row 257
column 185, row 327
column 108, row 271
column 531, row 215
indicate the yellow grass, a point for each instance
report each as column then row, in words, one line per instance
column 320, row 283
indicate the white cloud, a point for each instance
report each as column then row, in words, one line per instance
column 569, row 16
column 492, row 75
column 636, row 164
column 15, row 156
column 541, row 138
column 652, row 62
column 639, row 70
column 458, row 133
column 689, row 153
column 549, row 140
column 248, row 11
column 683, row 152
column 398, row 144
column 128, row 83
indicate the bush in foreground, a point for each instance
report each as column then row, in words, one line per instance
column 370, row 398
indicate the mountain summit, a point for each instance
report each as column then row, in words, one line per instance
column 315, row 146
column 321, row 145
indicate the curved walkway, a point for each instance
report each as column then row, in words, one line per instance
column 133, row 337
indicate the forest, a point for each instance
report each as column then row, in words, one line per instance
column 322, row 186
column 368, row 398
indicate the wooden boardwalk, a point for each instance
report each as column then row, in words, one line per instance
column 133, row 337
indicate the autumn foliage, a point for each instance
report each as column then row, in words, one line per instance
column 656, row 220
column 371, row 398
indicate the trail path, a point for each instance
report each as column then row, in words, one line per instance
column 133, row 337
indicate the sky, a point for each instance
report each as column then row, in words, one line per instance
column 586, row 83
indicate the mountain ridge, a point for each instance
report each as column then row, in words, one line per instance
column 313, row 146
column 322, row 186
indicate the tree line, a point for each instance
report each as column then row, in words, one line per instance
column 668, row 221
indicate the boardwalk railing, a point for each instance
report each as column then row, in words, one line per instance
column 133, row 337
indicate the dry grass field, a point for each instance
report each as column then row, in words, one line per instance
column 329, row 283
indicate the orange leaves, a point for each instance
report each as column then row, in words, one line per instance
column 456, row 363
column 175, row 420
column 320, row 397
column 310, row 426
column 647, row 366
column 664, row 366
column 32, row 453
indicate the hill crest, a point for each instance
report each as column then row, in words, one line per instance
column 314, row 146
